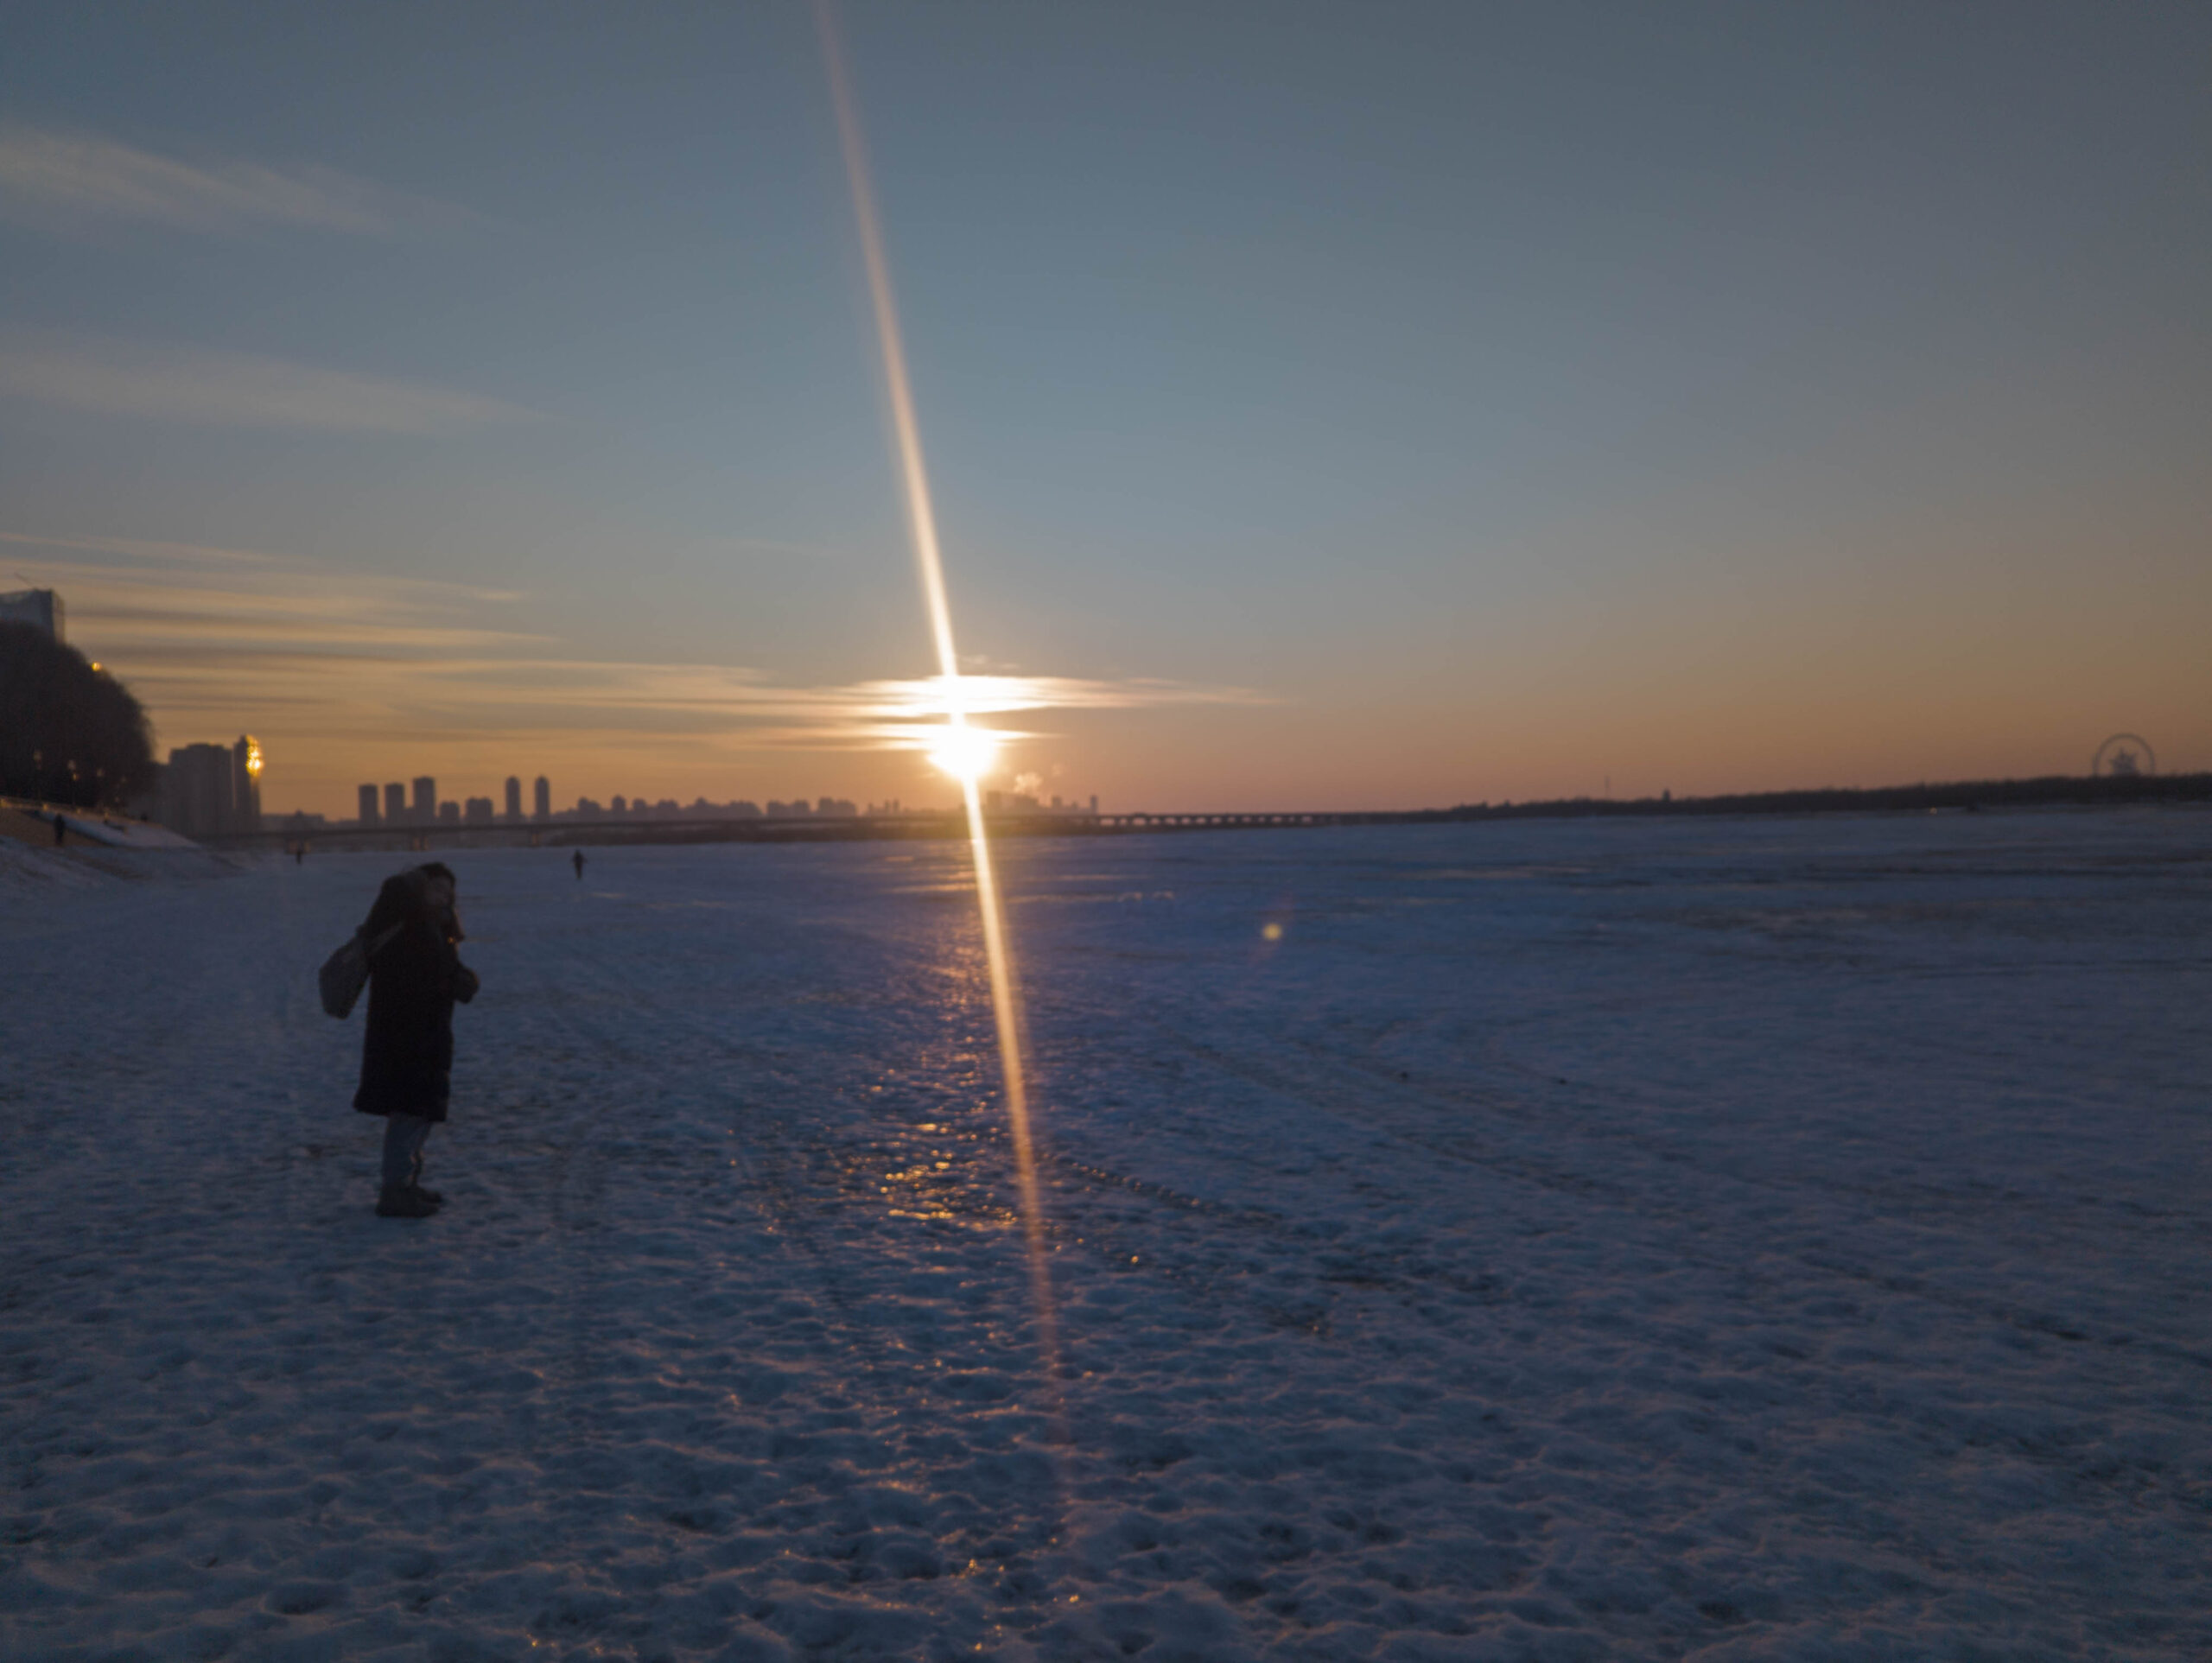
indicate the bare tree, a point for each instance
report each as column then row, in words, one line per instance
column 68, row 734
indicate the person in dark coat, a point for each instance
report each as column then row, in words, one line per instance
column 415, row 977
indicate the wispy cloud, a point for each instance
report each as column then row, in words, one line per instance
column 80, row 177
column 339, row 664
column 903, row 714
column 233, row 388
column 102, row 551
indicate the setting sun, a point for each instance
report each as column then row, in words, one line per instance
column 965, row 753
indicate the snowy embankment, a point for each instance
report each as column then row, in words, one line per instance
column 26, row 870
column 1638, row 1240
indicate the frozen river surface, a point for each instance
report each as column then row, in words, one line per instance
column 1782, row 1239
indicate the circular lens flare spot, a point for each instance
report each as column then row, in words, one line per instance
column 966, row 753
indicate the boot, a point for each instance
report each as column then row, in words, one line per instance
column 403, row 1203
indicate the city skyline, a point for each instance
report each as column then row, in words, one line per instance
column 1325, row 409
column 420, row 803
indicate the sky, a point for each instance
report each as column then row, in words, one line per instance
column 1350, row 406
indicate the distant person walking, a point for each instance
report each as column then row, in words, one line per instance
column 61, row 831
column 579, row 858
column 415, row 977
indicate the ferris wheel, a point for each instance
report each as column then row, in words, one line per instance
column 2124, row 755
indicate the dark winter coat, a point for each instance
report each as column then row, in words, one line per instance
column 413, row 979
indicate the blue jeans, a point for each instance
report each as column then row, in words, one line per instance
column 402, row 1149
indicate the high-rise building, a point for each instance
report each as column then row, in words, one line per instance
column 544, row 798
column 195, row 790
column 514, row 798
column 208, row 790
column 395, row 803
column 246, row 784
column 426, row 800
column 478, row 809
column 368, row 814
column 39, row 608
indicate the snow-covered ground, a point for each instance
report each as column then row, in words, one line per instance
column 1777, row 1239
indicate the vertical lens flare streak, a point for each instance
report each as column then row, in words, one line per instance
column 921, row 520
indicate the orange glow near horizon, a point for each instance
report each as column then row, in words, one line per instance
column 965, row 753
column 962, row 751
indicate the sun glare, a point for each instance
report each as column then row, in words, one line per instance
column 965, row 753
